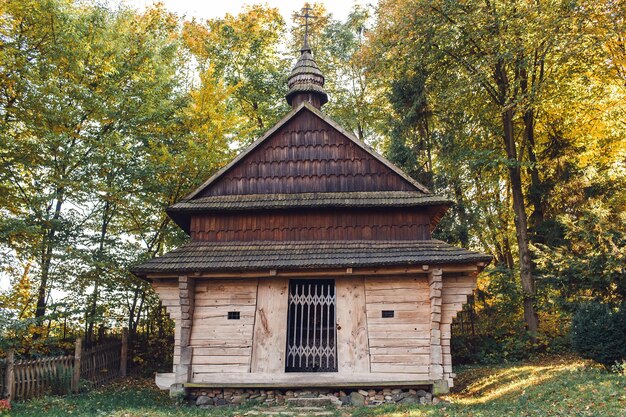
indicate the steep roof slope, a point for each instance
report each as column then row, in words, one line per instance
column 307, row 152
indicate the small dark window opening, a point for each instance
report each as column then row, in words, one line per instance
column 233, row 315
column 388, row 314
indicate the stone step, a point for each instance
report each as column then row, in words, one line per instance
column 308, row 402
column 298, row 412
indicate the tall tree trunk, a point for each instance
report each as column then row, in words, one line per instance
column 508, row 254
column 131, row 313
column 462, row 212
column 93, row 307
column 521, row 225
column 534, row 195
column 47, row 247
column 526, row 84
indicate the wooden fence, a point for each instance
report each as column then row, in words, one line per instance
column 58, row 375
column 33, row 378
column 2, row 377
column 101, row 364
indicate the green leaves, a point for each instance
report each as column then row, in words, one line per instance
column 511, row 108
column 238, row 56
column 99, row 138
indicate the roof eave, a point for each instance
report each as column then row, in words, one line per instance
column 181, row 217
column 484, row 261
column 441, row 208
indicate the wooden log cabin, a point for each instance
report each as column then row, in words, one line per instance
column 311, row 264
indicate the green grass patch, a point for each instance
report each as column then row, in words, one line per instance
column 566, row 387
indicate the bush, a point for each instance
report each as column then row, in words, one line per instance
column 599, row 333
column 509, row 347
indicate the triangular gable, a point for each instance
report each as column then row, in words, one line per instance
column 307, row 152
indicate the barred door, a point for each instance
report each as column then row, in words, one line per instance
column 311, row 329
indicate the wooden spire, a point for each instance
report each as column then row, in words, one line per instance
column 306, row 82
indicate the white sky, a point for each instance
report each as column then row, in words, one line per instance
column 206, row 9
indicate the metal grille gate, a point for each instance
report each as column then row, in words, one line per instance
column 311, row 328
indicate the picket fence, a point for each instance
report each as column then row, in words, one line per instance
column 59, row 375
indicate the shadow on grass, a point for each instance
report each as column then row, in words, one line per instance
column 511, row 381
column 552, row 388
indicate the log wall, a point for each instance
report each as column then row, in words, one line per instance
column 369, row 224
column 169, row 295
column 367, row 343
column 401, row 343
column 220, row 344
column 456, row 289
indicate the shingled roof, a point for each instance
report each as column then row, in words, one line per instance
column 306, row 77
column 240, row 256
column 317, row 200
column 416, row 186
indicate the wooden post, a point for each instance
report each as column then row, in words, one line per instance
column 186, row 294
column 78, row 350
column 124, row 352
column 435, row 285
column 9, row 376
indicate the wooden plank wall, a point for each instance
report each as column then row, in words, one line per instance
column 366, row 341
column 169, row 295
column 399, row 344
column 368, row 224
column 456, row 289
column 219, row 344
column 270, row 333
column 352, row 344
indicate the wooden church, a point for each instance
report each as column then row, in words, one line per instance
column 311, row 264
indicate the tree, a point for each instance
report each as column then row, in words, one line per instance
column 241, row 55
column 504, row 54
column 101, row 133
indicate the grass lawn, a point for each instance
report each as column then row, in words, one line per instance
column 567, row 387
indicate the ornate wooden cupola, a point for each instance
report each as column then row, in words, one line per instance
column 306, row 81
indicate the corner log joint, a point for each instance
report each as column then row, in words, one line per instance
column 186, row 294
column 435, row 285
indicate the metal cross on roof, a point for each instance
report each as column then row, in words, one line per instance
column 306, row 16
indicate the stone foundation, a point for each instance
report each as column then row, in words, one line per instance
column 211, row 397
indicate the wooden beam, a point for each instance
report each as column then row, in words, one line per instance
column 304, row 379
column 9, row 375
column 270, row 336
column 421, row 269
column 352, row 341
